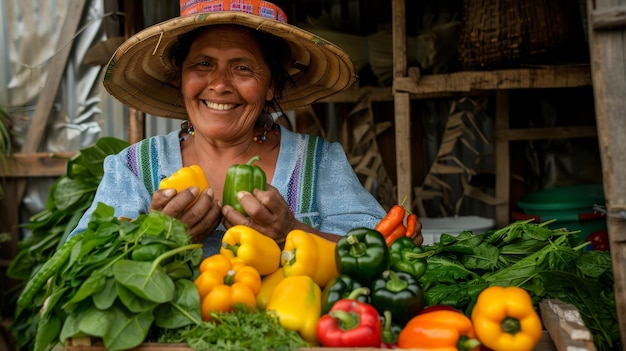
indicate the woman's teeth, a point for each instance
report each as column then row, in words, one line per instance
column 221, row 107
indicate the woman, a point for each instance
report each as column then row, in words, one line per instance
column 226, row 79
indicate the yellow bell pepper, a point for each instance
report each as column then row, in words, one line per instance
column 309, row 254
column 184, row 178
column 253, row 248
column 268, row 285
column 222, row 284
column 297, row 302
column 504, row 318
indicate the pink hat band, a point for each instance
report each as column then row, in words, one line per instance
column 259, row 8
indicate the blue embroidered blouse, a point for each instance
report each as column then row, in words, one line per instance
column 313, row 175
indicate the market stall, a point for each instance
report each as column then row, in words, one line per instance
column 561, row 322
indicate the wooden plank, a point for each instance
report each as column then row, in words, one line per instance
column 403, row 148
column 356, row 94
column 46, row 99
column 40, row 164
column 561, row 337
column 523, row 78
column 502, row 158
column 611, row 18
column 398, row 10
column 608, row 53
column 402, row 106
column 547, row 133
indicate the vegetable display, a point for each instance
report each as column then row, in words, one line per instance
column 461, row 293
column 504, row 318
column 242, row 177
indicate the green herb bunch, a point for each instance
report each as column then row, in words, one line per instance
column 240, row 330
column 68, row 198
column 548, row 263
column 117, row 281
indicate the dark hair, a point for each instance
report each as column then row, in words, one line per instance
column 276, row 53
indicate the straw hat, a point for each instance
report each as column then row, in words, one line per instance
column 140, row 73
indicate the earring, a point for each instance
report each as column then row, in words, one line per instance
column 274, row 127
column 187, row 129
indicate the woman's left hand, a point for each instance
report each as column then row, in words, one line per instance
column 268, row 213
column 417, row 236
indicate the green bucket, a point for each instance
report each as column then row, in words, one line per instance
column 570, row 206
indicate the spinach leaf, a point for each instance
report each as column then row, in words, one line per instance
column 145, row 279
column 183, row 311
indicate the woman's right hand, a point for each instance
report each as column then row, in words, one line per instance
column 201, row 218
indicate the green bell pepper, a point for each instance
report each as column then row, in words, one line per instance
column 405, row 256
column 242, row 177
column 340, row 288
column 362, row 254
column 398, row 292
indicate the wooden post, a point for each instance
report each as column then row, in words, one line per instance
column 502, row 156
column 607, row 46
column 402, row 107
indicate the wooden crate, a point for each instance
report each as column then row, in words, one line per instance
column 564, row 331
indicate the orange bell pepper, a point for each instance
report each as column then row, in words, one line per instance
column 311, row 255
column 504, row 318
column 441, row 330
column 222, row 284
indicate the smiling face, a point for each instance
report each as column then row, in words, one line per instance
column 225, row 82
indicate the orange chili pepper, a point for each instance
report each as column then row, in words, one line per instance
column 391, row 221
column 399, row 232
column 411, row 223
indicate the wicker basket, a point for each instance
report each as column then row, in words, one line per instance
column 510, row 33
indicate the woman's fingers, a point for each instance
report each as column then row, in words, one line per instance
column 201, row 216
column 204, row 216
column 267, row 212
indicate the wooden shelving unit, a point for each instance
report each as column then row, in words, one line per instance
column 408, row 84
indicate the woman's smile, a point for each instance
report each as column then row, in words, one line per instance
column 218, row 106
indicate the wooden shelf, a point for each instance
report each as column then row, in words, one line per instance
column 39, row 164
column 354, row 95
column 468, row 81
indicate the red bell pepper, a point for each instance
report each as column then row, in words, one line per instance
column 350, row 323
column 599, row 240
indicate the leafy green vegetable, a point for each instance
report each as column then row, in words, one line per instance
column 100, row 260
column 548, row 263
column 241, row 330
column 68, row 198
